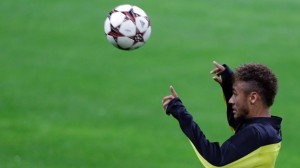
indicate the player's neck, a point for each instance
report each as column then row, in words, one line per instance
column 260, row 111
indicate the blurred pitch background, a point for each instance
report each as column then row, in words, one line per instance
column 68, row 98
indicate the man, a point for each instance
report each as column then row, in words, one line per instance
column 249, row 94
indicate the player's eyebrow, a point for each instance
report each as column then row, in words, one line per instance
column 233, row 90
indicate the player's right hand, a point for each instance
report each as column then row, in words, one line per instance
column 166, row 100
column 217, row 71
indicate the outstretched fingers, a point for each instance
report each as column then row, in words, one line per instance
column 173, row 91
column 219, row 68
column 217, row 71
column 166, row 100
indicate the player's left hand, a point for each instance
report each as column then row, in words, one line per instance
column 217, row 71
column 166, row 100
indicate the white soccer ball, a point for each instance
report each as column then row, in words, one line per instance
column 127, row 27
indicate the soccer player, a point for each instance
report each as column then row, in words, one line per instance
column 249, row 94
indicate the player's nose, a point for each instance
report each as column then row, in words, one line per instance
column 231, row 100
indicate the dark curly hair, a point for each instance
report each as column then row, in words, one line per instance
column 260, row 79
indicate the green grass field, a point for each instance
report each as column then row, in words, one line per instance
column 68, row 98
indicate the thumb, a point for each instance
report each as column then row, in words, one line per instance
column 173, row 91
column 218, row 79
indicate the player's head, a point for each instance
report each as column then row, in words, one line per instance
column 250, row 82
column 258, row 78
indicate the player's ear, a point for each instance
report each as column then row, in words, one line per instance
column 253, row 97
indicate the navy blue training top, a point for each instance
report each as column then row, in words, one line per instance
column 250, row 134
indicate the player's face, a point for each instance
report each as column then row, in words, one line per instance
column 239, row 101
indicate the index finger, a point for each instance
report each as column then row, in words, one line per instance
column 218, row 70
column 173, row 91
column 219, row 66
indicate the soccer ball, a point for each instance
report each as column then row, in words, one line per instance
column 127, row 27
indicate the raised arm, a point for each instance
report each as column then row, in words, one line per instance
column 224, row 76
column 212, row 153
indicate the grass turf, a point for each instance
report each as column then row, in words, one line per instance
column 70, row 99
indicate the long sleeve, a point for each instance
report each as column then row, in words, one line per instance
column 256, row 142
column 210, row 151
column 227, row 82
column 240, row 150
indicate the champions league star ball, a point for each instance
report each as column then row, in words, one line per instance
column 127, row 27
